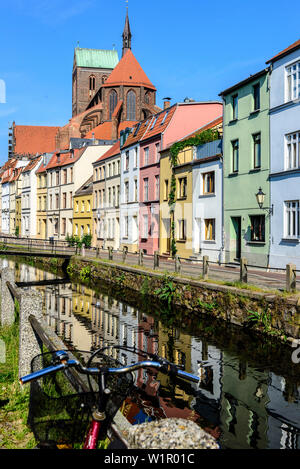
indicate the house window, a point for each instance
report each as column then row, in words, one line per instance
column 146, row 156
column 182, row 187
column 293, row 81
column 210, row 229
column 71, row 199
column 65, row 176
column 135, row 190
column 209, row 182
column 64, row 200
column 292, row 223
column 82, row 206
column 256, row 97
column 127, row 161
column 56, row 201
column 166, row 189
column 113, row 97
column 57, row 178
column 146, row 190
column 257, row 228
column 56, row 226
column 145, row 226
column 293, row 150
column 235, row 156
column 257, row 150
column 126, row 189
column 182, row 230
column 135, row 157
column 126, row 227
column 157, row 152
column 156, row 187
column 131, row 105
column 234, row 107
column 71, row 174
column 76, row 206
column 63, row 229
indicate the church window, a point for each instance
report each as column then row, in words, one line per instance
column 131, row 106
column 112, row 102
column 92, row 83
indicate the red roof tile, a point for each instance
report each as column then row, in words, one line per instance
column 113, row 151
column 104, row 131
column 62, row 159
column 286, row 51
column 32, row 140
column 32, row 164
column 128, row 72
column 159, row 122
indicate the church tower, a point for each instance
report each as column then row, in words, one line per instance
column 126, row 35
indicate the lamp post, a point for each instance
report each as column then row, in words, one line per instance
column 260, row 198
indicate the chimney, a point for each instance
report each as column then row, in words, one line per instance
column 167, row 103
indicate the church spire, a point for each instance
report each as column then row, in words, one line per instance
column 126, row 34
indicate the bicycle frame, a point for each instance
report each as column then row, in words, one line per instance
column 99, row 418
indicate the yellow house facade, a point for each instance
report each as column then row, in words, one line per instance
column 179, row 218
column 82, row 210
column 41, row 214
column 18, row 214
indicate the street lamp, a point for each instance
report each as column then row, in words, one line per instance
column 260, row 198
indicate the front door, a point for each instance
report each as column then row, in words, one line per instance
column 236, row 221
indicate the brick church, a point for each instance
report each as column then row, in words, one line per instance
column 108, row 94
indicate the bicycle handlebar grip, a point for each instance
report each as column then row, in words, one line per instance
column 40, row 373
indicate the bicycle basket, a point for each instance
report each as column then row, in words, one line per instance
column 59, row 415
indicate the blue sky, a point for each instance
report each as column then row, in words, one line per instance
column 187, row 48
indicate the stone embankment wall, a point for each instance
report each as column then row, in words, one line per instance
column 269, row 314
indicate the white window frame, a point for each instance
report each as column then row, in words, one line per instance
column 292, row 88
column 292, row 150
column 145, row 226
column 292, row 219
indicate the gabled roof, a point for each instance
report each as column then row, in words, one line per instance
column 16, row 174
column 137, row 132
column 284, row 52
column 8, row 172
column 113, row 151
column 86, row 188
column 244, row 82
column 32, row 164
column 33, row 140
column 128, row 72
column 96, row 58
column 104, row 131
column 159, row 122
column 62, row 159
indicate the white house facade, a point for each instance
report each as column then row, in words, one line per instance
column 208, row 201
column 285, row 158
column 129, row 203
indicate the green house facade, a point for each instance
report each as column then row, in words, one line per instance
column 246, row 170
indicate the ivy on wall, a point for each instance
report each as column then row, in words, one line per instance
column 206, row 136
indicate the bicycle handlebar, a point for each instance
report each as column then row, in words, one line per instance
column 162, row 366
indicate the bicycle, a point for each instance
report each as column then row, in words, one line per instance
column 108, row 387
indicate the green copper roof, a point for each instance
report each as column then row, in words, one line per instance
column 96, row 58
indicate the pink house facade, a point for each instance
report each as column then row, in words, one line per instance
column 164, row 129
column 149, row 195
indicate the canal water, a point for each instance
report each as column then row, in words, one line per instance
column 249, row 392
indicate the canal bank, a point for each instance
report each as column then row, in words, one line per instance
column 248, row 396
column 273, row 314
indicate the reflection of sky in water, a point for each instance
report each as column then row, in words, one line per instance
column 243, row 405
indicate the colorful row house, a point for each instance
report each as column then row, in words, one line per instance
column 246, row 169
column 285, row 157
column 106, row 199
column 83, row 210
